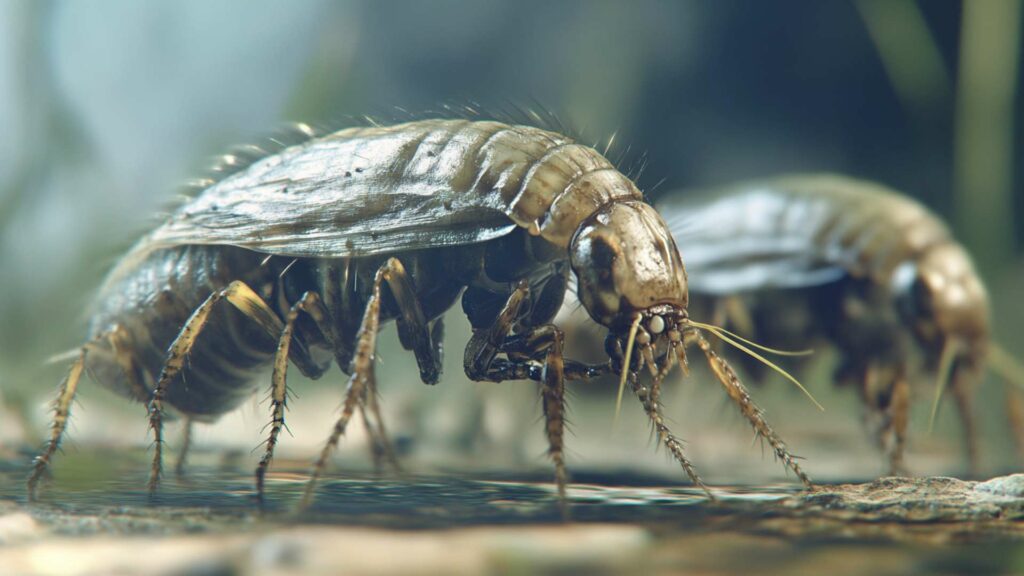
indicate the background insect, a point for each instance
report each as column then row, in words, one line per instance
column 287, row 256
column 820, row 259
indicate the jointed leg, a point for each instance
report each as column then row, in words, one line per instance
column 739, row 394
column 313, row 307
column 522, row 349
column 963, row 393
column 186, row 445
column 380, row 442
column 362, row 374
column 243, row 298
column 119, row 343
column 554, row 414
column 675, row 447
column 484, row 345
column 62, row 410
column 1015, row 417
column 899, row 417
column 416, row 335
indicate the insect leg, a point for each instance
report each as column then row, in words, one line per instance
column 311, row 305
column 1015, row 417
column 963, row 393
column 121, row 346
column 362, row 377
column 186, row 445
column 739, row 394
column 338, row 299
column 899, row 417
column 541, row 341
column 413, row 330
column 248, row 302
column 485, row 344
column 675, row 447
column 544, row 341
column 416, row 335
column 553, row 396
column 62, row 410
column 381, row 448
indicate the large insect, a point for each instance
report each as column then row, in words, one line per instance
column 301, row 255
column 794, row 260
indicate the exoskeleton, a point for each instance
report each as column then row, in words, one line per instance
column 809, row 259
column 300, row 256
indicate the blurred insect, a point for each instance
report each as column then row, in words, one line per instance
column 287, row 256
column 800, row 260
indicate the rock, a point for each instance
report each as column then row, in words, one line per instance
column 916, row 500
column 1012, row 486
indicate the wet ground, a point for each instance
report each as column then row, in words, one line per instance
column 95, row 518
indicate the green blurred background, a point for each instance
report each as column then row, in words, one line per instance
column 105, row 107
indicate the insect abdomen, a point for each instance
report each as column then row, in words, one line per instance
column 151, row 299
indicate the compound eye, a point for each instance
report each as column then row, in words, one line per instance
column 656, row 325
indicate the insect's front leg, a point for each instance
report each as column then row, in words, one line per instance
column 535, row 353
column 899, row 417
column 885, row 392
column 649, row 398
column 739, row 394
column 963, row 387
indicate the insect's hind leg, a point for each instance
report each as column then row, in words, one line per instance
column 62, row 411
column 739, row 394
column 241, row 297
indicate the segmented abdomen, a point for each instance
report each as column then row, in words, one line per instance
column 150, row 300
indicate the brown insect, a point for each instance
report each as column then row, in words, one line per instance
column 300, row 256
column 804, row 260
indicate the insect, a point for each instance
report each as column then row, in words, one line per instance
column 300, row 256
column 794, row 260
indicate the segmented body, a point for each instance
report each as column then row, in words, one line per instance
column 795, row 260
column 302, row 255
column 468, row 185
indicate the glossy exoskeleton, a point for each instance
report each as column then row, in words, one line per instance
column 300, row 256
column 804, row 260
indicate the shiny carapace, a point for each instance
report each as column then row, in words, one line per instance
column 299, row 255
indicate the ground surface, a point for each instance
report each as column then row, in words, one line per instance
column 102, row 523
